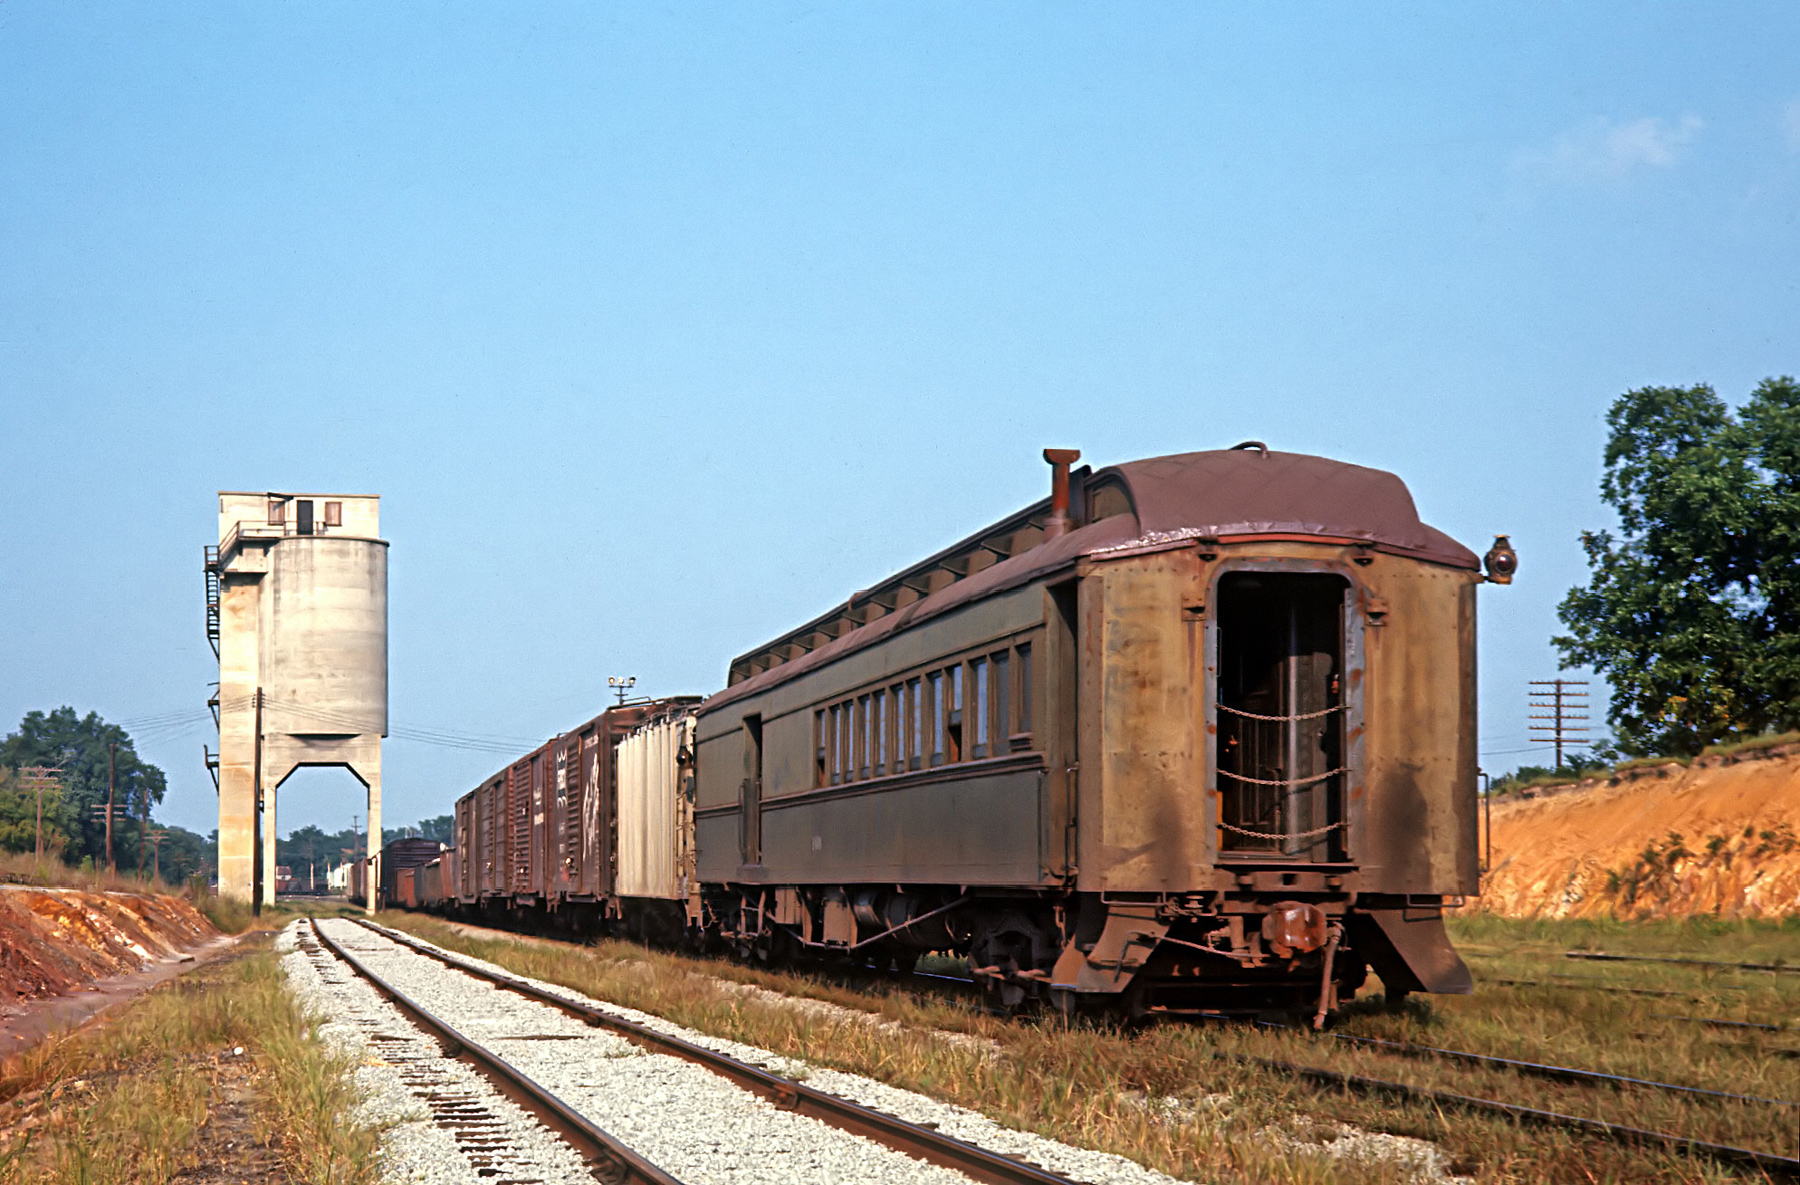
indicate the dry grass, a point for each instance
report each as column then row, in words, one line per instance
column 138, row 1097
column 1170, row 1097
column 227, row 915
column 24, row 868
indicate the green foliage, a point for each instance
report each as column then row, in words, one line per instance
column 1654, row 875
column 1574, row 766
column 79, row 745
column 1693, row 609
column 441, row 828
column 184, row 854
column 18, row 817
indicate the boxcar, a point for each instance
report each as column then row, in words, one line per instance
column 1195, row 732
column 405, row 855
column 573, row 829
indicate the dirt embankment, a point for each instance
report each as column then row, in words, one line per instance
column 1721, row 836
column 55, row 940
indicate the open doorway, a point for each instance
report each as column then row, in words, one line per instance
column 1280, row 714
column 323, row 825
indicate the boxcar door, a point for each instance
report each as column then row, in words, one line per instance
column 588, row 819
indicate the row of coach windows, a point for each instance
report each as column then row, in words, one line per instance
column 974, row 708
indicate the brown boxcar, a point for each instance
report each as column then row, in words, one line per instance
column 543, row 832
column 402, row 856
column 1198, row 730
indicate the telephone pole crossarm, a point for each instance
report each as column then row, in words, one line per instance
column 1563, row 704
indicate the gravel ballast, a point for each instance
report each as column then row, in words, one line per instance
column 685, row 1119
column 444, row 1123
column 693, row 1124
column 1080, row 1164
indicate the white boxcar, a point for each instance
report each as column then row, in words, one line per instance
column 656, row 817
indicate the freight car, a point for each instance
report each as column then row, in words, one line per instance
column 399, row 860
column 593, row 830
column 1193, row 734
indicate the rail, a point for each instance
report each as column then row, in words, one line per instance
column 1602, row 957
column 1559, row 1073
column 1771, row 1163
column 558, row 1115
column 909, row 1138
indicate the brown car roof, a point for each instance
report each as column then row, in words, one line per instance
column 1250, row 492
column 1217, row 494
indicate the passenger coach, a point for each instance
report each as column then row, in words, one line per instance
column 1194, row 733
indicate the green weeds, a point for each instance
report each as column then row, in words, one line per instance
column 149, row 1093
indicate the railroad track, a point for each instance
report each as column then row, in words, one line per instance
column 1593, row 956
column 1770, row 1163
column 1775, row 1165
column 477, row 1129
column 622, row 1158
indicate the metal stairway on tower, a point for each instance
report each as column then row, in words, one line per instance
column 212, row 598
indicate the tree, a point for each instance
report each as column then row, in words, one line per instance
column 19, row 820
column 184, row 853
column 440, row 827
column 79, row 745
column 1693, row 610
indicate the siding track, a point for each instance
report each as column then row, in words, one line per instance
column 474, row 1130
column 953, row 1159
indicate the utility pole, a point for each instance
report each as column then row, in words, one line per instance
column 112, row 765
column 143, row 832
column 156, row 840
column 256, row 818
column 1558, row 704
column 40, row 778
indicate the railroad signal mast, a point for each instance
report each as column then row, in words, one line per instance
column 1562, row 705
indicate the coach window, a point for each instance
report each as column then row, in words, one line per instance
column 897, row 728
column 832, row 748
column 864, row 728
column 915, row 728
column 1024, row 732
column 1002, row 703
column 820, row 774
column 978, row 686
column 935, row 709
column 852, row 726
column 953, row 749
column 878, row 732
column 845, row 759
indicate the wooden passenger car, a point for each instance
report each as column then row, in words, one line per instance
column 1199, row 729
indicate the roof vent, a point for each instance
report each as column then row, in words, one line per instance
column 1060, row 459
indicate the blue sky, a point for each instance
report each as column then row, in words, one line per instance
column 659, row 330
